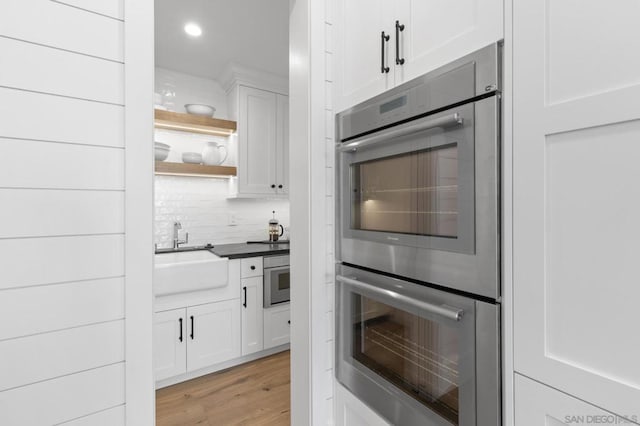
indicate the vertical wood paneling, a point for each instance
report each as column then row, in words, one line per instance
column 111, row 8
column 39, row 213
column 50, row 355
column 82, row 32
column 43, row 69
column 56, row 307
column 69, row 397
column 60, row 119
column 60, row 165
column 36, row 261
column 110, row 417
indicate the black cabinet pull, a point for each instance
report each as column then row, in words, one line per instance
column 192, row 331
column 399, row 28
column 280, row 186
column 244, row 289
column 180, row 338
column 383, row 39
column 273, row 186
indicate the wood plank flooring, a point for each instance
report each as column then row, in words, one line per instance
column 256, row 393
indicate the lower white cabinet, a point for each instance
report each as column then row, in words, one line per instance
column 537, row 404
column 350, row 411
column 277, row 326
column 252, row 321
column 195, row 337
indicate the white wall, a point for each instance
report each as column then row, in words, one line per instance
column 190, row 89
column 62, row 190
column 202, row 207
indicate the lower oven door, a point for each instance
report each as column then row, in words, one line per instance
column 410, row 352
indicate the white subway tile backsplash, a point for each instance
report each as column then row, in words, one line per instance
column 202, row 208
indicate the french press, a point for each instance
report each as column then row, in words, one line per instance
column 275, row 229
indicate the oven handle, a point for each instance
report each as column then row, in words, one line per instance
column 442, row 310
column 448, row 120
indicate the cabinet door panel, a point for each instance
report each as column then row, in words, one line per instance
column 537, row 404
column 359, row 24
column 252, row 331
column 257, row 141
column 214, row 334
column 439, row 31
column 282, row 145
column 575, row 211
column 170, row 354
column 277, row 326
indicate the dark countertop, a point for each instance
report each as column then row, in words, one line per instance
column 242, row 250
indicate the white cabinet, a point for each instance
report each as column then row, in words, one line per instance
column 350, row 411
column 537, row 404
column 263, row 157
column 277, row 325
column 214, row 334
column 169, row 343
column 429, row 34
column 575, row 211
column 195, row 337
column 251, row 299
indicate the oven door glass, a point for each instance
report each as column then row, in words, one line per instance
column 416, row 189
column 408, row 350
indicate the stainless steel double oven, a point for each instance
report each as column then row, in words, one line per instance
column 418, row 287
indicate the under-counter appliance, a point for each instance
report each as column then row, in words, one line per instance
column 277, row 278
column 418, row 287
column 418, row 177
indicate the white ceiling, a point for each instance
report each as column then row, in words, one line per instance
column 251, row 33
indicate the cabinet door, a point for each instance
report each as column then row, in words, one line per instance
column 257, row 141
column 169, row 343
column 252, row 339
column 358, row 49
column 437, row 32
column 350, row 411
column 576, row 198
column 537, row 404
column 282, row 145
column 277, row 326
column 214, row 334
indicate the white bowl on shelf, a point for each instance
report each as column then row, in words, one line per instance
column 161, row 151
column 192, row 157
column 200, row 109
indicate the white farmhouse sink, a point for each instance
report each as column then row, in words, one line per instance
column 180, row 272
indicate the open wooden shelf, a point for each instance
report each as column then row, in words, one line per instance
column 193, row 123
column 184, row 169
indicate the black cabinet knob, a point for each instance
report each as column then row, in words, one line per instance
column 280, row 186
column 253, row 268
column 273, row 186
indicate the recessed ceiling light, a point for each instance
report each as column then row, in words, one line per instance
column 193, row 29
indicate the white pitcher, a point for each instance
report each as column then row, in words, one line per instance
column 211, row 155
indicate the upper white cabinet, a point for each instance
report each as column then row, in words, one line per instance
column 576, row 126
column 263, row 146
column 428, row 34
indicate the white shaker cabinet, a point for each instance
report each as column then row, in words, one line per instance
column 277, row 325
column 251, row 300
column 170, row 343
column 263, row 146
column 576, row 128
column 427, row 35
column 195, row 337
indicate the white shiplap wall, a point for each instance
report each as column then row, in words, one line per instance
column 62, row 162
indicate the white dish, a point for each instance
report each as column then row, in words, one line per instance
column 192, row 157
column 199, row 109
column 161, row 154
column 162, row 145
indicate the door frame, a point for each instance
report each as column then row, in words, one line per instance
column 139, row 174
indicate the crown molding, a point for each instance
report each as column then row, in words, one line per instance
column 235, row 74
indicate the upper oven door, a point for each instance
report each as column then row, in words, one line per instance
column 413, row 184
column 421, row 199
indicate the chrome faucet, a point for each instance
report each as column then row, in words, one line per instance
column 177, row 226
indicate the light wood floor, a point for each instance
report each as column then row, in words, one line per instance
column 256, row 393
